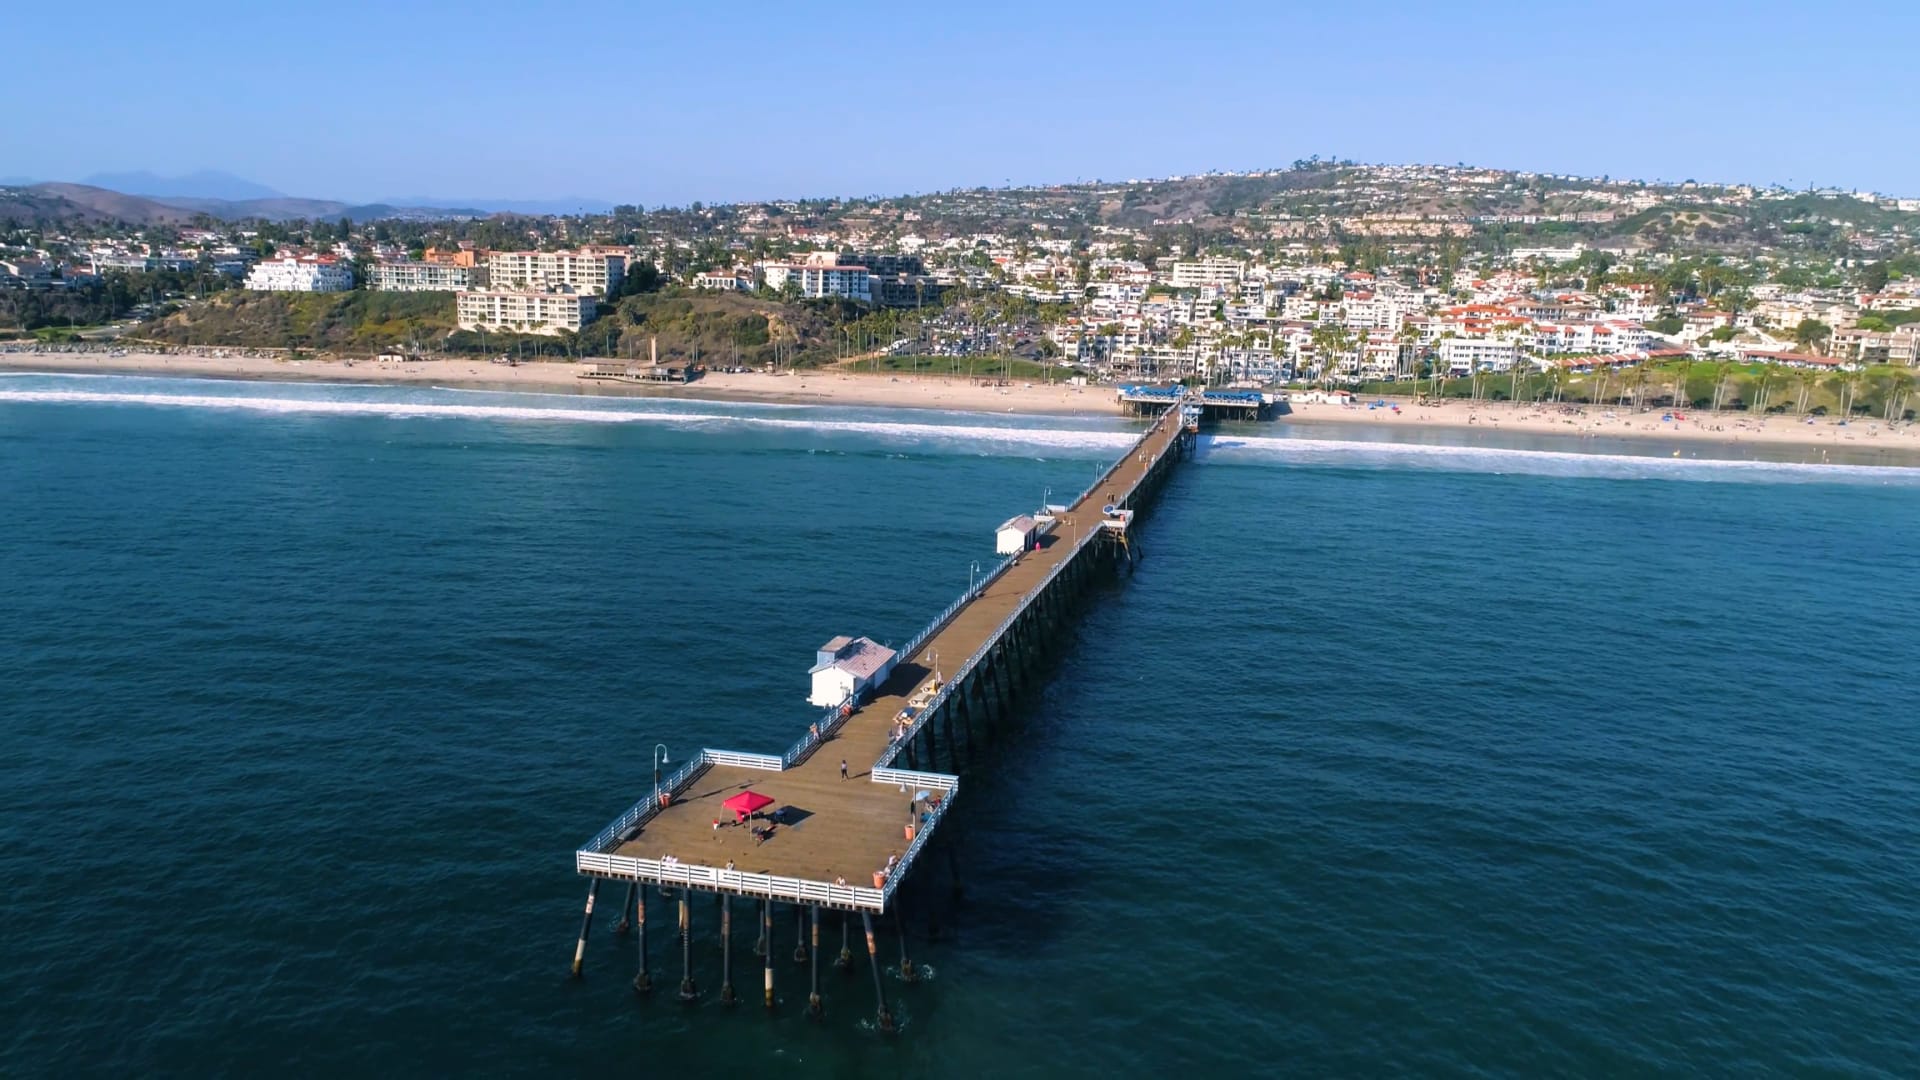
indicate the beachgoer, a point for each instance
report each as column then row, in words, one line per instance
column 716, row 828
column 843, row 768
column 729, row 864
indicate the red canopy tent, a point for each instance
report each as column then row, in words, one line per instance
column 746, row 803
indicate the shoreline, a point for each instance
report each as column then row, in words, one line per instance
column 837, row 388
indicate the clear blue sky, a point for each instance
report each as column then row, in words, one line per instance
column 667, row 103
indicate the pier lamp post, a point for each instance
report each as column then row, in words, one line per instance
column 659, row 759
column 973, row 571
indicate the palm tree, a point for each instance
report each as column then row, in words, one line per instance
column 1639, row 378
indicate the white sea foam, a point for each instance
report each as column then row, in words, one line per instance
column 1226, row 448
column 1023, row 437
column 1537, row 462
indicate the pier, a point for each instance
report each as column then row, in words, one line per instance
column 1213, row 404
column 844, row 837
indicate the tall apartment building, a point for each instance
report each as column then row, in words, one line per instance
column 407, row 276
column 583, row 271
column 290, row 273
column 821, row 275
column 1463, row 356
column 1194, row 275
column 525, row 312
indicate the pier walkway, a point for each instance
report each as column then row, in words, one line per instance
column 833, row 838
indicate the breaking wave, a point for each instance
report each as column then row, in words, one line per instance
column 1026, row 437
column 1544, row 462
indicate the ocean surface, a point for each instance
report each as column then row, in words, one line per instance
column 1449, row 757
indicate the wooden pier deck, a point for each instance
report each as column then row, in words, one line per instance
column 839, row 832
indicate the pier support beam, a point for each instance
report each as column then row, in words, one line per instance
column 767, row 924
column 800, row 939
column 906, row 966
column 813, row 974
column 586, row 924
column 642, row 982
column 845, row 960
column 884, row 1018
column 687, row 990
column 625, row 925
column 726, row 950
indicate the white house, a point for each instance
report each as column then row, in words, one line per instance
column 846, row 668
column 1014, row 536
column 303, row 274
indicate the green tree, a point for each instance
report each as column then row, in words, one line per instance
column 1811, row 333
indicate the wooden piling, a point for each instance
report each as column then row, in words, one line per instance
column 883, row 1017
column 586, row 924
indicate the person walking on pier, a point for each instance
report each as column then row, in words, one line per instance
column 843, row 768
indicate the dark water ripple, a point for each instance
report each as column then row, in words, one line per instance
column 1366, row 769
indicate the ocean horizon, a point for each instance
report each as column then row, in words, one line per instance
column 1421, row 752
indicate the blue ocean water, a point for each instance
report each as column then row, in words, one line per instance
column 1510, row 758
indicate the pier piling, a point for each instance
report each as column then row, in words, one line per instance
column 845, row 960
column 586, row 924
column 642, row 982
column 813, row 974
column 800, row 939
column 726, row 950
column 906, row 966
column 884, row 1018
column 625, row 925
column 767, row 929
column 687, row 990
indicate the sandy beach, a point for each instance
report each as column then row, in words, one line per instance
column 1600, row 422
column 939, row 392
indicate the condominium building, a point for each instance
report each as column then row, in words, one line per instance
column 583, row 271
column 525, row 312
column 821, row 275
column 403, row 275
column 1900, row 346
column 1203, row 272
column 302, row 273
column 1463, row 356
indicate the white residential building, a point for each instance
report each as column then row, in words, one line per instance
column 525, row 312
column 821, row 275
column 1589, row 337
column 300, row 274
column 1463, row 356
column 406, row 276
column 583, row 271
column 1193, row 275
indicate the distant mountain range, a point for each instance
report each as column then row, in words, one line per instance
column 205, row 184
column 50, row 203
column 142, row 198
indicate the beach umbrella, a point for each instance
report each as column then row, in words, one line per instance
column 746, row 803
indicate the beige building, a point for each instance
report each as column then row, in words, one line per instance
column 525, row 312
column 401, row 275
column 584, row 271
